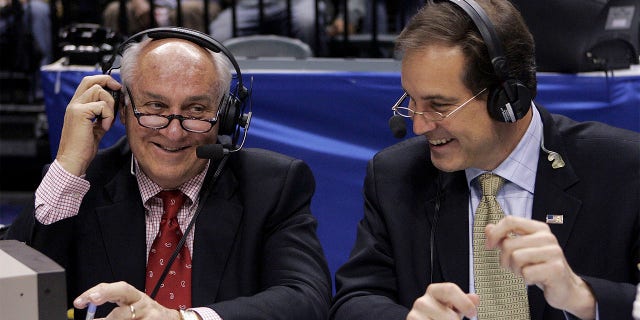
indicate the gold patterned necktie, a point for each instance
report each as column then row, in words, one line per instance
column 502, row 294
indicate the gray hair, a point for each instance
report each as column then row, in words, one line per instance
column 131, row 55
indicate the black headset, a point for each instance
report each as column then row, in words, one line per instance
column 231, row 116
column 511, row 100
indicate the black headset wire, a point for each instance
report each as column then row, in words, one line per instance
column 208, row 187
column 434, row 224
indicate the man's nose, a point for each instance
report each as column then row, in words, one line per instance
column 175, row 128
column 422, row 125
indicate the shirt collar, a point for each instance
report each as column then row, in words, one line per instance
column 148, row 188
column 521, row 165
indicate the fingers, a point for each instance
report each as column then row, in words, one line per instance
column 511, row 226
column 520, row 251
column 126, row 312
column 529, row 249
column 92, row 89
column 562, row 288
column 542, row 271
column 132, row 303
column 104, row 81
column 89, row 115
column 475, row 299
column 92, row 114
column 444, row 301
column 522, row 242
column 121, row 293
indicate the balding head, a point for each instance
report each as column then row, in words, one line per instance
column 175, row 57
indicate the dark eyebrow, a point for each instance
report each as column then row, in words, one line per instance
column 432, row 97
column 439, row 97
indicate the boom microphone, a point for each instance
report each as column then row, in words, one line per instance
column 211, row 151
column 398, row 126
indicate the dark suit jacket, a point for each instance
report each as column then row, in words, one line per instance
column 597, row 192
column 256, row 254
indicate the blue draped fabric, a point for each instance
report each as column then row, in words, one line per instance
column 336, row 121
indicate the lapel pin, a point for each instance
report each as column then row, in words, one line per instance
column 555, row 219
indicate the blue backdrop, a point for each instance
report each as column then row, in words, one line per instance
column 336, row 121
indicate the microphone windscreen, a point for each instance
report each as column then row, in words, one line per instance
column 398, row 126
column 210, row 151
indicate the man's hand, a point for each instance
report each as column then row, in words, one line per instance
column 529, row 249
column 444, row 301
column 132, row 304
column 89, row 115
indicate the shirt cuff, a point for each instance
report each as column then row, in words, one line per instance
column 206, row 313
column 569, row 316
column 59, row 195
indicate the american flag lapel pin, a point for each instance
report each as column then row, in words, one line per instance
column 555, row 219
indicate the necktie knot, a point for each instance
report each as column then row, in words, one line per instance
column 172, row 201
column 490, row 184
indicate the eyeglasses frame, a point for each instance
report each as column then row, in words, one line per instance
column 170, row 117
column 440, row 115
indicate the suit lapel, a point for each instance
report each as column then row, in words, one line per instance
column 216, row 228
column 418, row 232
column 123, row 230
column 551, row 198
column 122, row 225
column 452, row 230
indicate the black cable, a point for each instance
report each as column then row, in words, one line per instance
column 434, row 224
column 207, row 187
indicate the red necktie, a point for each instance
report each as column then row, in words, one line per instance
column 175, row 291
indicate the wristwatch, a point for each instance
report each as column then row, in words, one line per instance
column 188, row 315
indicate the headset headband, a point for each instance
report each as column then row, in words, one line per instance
column 193, row 36
column 488, row 33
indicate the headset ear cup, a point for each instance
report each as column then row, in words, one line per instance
column 492, row 104
column 228, row 115
column 503, row 109
column 223, row 115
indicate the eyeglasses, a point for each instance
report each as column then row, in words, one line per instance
column 158, row 121
column 429, row 115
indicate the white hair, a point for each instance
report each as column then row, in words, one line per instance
column 130, row 61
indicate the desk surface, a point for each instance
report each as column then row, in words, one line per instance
column 333, row 114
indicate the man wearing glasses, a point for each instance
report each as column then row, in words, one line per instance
column 497, row 209
column 252, row 251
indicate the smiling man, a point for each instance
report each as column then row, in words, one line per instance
column 497, row 209
column 109, row 216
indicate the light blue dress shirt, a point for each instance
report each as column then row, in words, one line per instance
column 519, row 171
